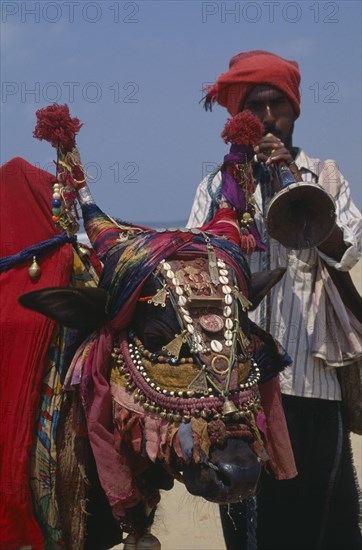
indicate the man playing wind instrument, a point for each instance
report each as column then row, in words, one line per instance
column 307, row 312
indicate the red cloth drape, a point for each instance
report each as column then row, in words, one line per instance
column 224, row 224
column 278, row 445
column 25, row 214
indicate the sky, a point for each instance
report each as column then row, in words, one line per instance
column 133, row 72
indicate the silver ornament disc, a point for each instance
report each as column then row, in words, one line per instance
column 211, row 322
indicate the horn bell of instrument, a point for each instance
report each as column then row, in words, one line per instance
column 301, row 215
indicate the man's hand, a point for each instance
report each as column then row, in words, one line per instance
column 271, row 149
column 334, row 246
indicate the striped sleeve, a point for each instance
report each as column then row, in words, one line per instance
column 348, row 218
column 202, row 202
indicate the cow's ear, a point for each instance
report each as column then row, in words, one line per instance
column 72, row 307
column 262, row 282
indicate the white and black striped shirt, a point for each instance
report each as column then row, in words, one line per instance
column 291, row 300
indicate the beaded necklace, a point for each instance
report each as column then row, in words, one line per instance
column 178, row 405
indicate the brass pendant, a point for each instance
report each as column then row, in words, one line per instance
column 199, row 384
column 204, row 301
column 228, row 408
column 197, row 343
column 244, row 302
column 173, row 348
column 213, row 270
column 34, row 270
column 159, row 299
column 243, row 340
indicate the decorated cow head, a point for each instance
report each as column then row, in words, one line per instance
column 170, row 373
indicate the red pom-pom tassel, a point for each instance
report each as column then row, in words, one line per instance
column 55, row 125
column 243, row 129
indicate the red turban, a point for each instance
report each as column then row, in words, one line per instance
column 249, row 69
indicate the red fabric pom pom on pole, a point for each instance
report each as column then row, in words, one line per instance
column 243, row 129
column 55, row 125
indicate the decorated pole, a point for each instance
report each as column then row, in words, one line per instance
column 55, row 125
column 244, row 131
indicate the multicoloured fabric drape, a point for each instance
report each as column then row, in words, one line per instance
column 130, row 254
column 44, row 461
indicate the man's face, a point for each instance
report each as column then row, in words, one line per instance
column 274, row 110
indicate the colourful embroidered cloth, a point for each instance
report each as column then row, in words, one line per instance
column 44, row 462
column 131, row 254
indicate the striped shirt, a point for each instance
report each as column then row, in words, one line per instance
column 291, row 299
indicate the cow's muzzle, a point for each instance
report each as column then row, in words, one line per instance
column 229, row 475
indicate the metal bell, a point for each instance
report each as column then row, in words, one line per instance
column 148, row 542
column 228, row 408
column 34, row 270
column 130, row 543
